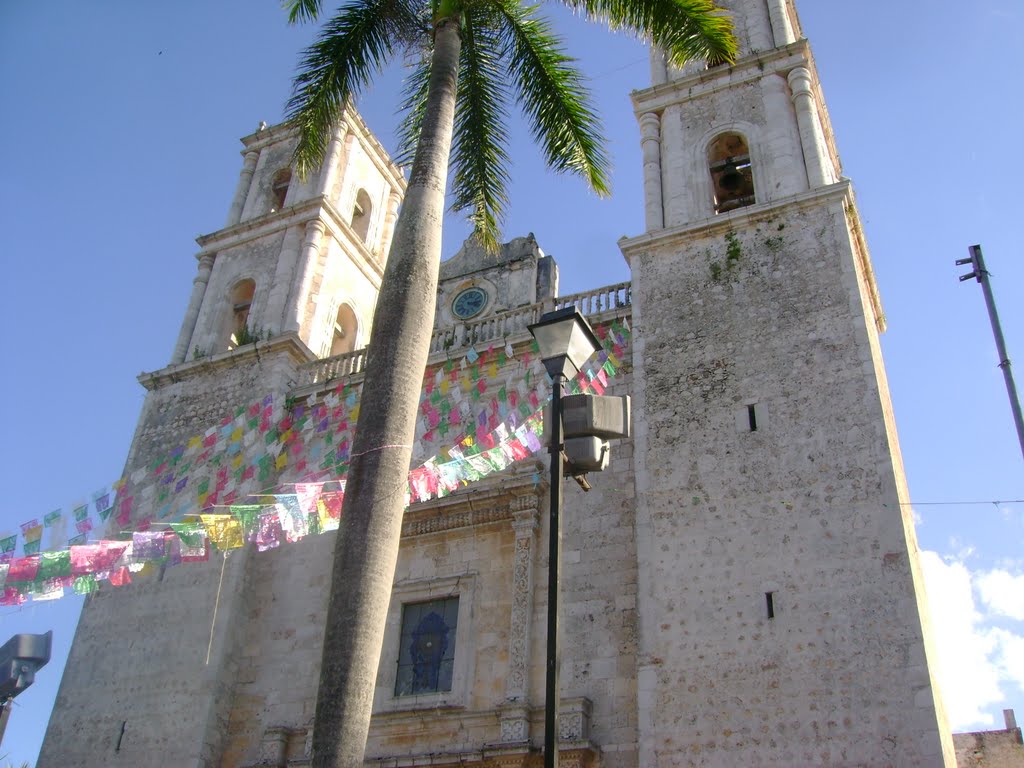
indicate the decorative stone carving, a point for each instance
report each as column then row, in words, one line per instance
column 525, row 525
column 448, row 521
column 515, row 724
column 574, row 719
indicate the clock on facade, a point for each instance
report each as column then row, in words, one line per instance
column 469, row 303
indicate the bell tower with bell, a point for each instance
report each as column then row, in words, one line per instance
column 782, row 617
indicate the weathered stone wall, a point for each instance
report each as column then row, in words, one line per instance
column 509, row 277
column 138, row 688
column 599, row 601
column 339, row 281
column 989, row 749
column 255, row 260
column 151, row 673
column 760, row 110
column 766, row 312
column 275, row 156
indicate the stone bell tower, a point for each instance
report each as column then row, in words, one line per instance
column 301, row 256
column 292, row 277
column 782, row 619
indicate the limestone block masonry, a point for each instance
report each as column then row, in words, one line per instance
column 739, row 588
column 779, row 617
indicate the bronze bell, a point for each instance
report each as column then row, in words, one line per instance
column 731, row 179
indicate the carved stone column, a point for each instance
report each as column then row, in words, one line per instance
column 811, row 137
column 332, row 161
column 782, row 25
column 195, row 302
column 242, row 190
column 650, row 144
column 390, row 217
column 515, row 713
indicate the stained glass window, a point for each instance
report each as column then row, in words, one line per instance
column 426, row 655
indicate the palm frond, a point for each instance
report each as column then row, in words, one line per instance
column 352, row 46
column 302, row 10
column 414, row 104
column 684, row 29
column 479, row 154
column 551, row 92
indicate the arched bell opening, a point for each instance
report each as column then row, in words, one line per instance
column 732, row 176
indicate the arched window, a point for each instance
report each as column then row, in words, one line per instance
column 732, row 176
column 241, row 297
column 279, row 188
column 361, row 214
column 343, row 338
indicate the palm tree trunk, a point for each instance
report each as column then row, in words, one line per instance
column 366, row 549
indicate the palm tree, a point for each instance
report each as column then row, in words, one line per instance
column 496, row 49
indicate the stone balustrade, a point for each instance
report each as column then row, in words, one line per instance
column 611, row 300
column 598, row 301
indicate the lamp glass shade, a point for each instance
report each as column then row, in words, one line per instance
column 565, row 335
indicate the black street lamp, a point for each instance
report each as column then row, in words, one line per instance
column 566, row 341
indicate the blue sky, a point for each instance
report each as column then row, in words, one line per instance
column 120, row 129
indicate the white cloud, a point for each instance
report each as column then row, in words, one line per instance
column 1010, row 657
column 1002, row 592
column 968, row 679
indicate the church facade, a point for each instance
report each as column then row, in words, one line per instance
column 740, row 586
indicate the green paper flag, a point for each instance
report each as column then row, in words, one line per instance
column 85, row 585
column 53, row 565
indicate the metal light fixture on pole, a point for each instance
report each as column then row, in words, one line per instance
column 566, row 341
column 980, row 273
column 20, row 658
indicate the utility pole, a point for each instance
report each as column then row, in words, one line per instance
column 977, row 261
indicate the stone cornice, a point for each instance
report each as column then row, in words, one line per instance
column 494, row 499
column 300, row 213
column 354, row 122
column 708, row 81
column 749, row 69
column 261, row 226
column 287, row 343
column 841, row 192
column 388, row 169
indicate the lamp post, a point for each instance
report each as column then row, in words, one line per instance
column 566, row 341
column 20, row 658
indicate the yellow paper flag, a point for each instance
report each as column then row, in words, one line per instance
column 224, row 531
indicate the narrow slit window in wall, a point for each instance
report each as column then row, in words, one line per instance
column 769, row 599
column 279, row 188
column 343, row 337
column 752, row 417
column 239, row 332
column 361, row 211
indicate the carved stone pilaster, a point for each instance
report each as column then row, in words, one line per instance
column 277, row 743
column 515, row 723
column 390, row 217
column 574, row 719
column 524, row 524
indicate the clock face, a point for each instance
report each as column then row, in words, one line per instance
column 469, row 303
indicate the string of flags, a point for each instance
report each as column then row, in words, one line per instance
column 224, row 488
